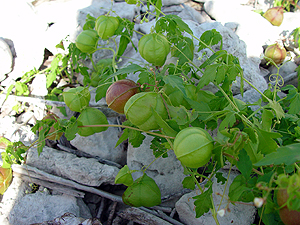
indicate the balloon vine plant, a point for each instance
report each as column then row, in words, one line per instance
column 168, row 102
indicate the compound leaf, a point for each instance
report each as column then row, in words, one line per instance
column 203, row 202
column 288, row 155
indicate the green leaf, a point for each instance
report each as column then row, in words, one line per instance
column 288, row 155
column 124, row 41
column 266, row 118
column 188, row 182
column 213, row 58
column 220, row 178
column 228, row 121
column 123, row 137
column 132, row 68
column 101, row 91
column 160, row 147
column 21, row 88
column 135, row 138
column 208, row 76
column 71, row 129
column 276, row 107
column 266, row 141
column 158, row 8
column 175, row 81
column 124, row 177
column 181, row 25
column 203, row 202
column 166, row 129
column 9, row 90
column 221, row 71
column 237, row 188
column 210, row 38
column 295, row 105
column 184, row 50
column 244, row 164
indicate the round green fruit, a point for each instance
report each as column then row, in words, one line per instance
column 138, row 110
column 77, row 98
column 193, row 147
column 91, row 116
column 288, row 217
column 87, row 41
column 154, row 48
column 119, row 93
column 106, row 26
column 143, row 192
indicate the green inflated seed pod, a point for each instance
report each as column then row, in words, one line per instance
column 87, row 41
column 77, row 98
column 138, row 110
column 91, row 116
column 106, row 26
column 193, row 147
column 143, row 192
column 154, row 48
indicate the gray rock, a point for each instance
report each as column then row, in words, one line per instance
column 103, row 145
column 240, row 214
column 15, row 132
column 285, row 70
column 12, row 195
column 190, row 13
column 167, row 172
column 87, row 171
column 249, row 23
column 39, row 207
column 6, row 59
column 173, row 2
column 38, row 86
column 235, row 46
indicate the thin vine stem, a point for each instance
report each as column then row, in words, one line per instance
column 133, row 128
column 225, row 187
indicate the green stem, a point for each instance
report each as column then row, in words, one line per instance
column 155, row 160
column 93, row 63
column 297, row 167
column 114, row 56
column 262, row 94
column 133, row 128
column 225, row 187
column 198, row 185
column 213, row 210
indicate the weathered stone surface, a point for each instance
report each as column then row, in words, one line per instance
column 235, row 46
column 103, row 145
column 6, row 59
column 240, row 214
column 7, row 201
column 39, row 207
column 38, row 86
column 87, row 171
column 167, row 172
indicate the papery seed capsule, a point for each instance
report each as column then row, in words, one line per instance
column 275, row 52
column 274, row 15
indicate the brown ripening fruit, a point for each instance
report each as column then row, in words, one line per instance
column 118, row 94
column 276, row 53
column 288, row 217
column 274, row 15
